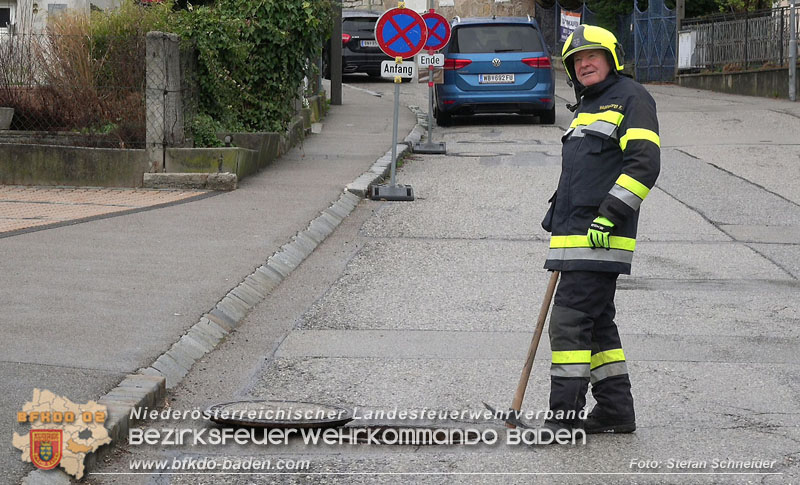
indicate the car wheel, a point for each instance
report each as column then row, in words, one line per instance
column 548, row 117
column 442, row 119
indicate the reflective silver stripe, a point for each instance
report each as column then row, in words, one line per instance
column 577, row 132
column 629, row 198
column 600, row 127
column 570, row 370
column 603, row 127
column 567, row 133
column 613, row 255
column 609, row 370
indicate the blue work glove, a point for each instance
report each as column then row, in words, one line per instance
column 599, row 231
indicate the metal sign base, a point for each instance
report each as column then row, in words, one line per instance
column 433, row 148
column 392, row 192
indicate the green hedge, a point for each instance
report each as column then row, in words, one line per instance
column 252, row 57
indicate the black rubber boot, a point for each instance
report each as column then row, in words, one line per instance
column 598, row 423
column 557, row 432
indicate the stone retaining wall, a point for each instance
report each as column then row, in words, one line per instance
column 462, row 8
column 22, row 164
column 767, row 83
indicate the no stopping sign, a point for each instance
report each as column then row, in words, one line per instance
column 401, row 32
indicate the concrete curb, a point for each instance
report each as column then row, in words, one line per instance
column 149, row 385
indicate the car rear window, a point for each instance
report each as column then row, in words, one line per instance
column 359, row 24
column 480, row 39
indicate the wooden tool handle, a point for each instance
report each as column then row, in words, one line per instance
column 516, row 404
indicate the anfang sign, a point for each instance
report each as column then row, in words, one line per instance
column 406, row 70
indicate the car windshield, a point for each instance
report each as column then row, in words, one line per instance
column 354, row 24
column 480, row 39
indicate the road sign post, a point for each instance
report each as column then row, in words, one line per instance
column 401, row 33
column 438, row 36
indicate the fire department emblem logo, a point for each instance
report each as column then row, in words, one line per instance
column 46, row 447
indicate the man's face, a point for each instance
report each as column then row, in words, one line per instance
column 591, row 66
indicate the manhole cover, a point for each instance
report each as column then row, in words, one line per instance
column 279, row 414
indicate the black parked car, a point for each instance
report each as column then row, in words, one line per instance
column 360, row 51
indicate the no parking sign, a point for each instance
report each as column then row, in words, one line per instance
column 438, row 31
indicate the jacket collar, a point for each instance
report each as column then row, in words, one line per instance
column 596, row 89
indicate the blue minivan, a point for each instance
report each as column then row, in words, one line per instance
column 496, row 65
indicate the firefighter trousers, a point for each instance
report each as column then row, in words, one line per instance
column 586, row 348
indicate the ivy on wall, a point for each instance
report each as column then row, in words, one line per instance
column 252, row 57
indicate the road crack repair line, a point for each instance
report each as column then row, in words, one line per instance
column 743, row 179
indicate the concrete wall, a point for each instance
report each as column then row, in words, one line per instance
column 451, row 8
column 62, row 138
column 60, row 165
column 241, row 161
column 484, row 8
column 768, row 83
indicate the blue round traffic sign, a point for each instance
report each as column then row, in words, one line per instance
column 401, row 32
column 438, row 31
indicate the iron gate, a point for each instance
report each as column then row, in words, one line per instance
column 654, row 42
column 549, row 22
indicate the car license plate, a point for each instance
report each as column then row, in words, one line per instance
column 496, row 78
column 369, row 43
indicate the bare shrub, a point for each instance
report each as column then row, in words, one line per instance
column 64, row 80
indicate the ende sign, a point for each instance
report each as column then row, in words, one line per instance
column 435, row 60
column 390, row 69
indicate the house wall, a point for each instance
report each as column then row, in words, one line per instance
column 451, row 8
column 32, row 15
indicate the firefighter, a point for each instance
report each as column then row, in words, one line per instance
column 610, row 161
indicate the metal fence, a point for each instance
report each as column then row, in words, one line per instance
column 82, row 91
column 549, row 20
column 752, row 39
column 59, row 84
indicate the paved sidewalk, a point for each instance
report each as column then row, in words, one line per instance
column 25, row 208
column 85, row 305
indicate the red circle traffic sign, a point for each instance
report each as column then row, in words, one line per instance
column 401, row 32
column 438, row 31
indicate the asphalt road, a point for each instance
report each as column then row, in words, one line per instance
column 431, row 304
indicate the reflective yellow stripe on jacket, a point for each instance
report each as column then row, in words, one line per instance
column 584, row 119
column 581, row 241
column 578, row 248
column 639, row 134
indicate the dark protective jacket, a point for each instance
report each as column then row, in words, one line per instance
column 610, row 161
